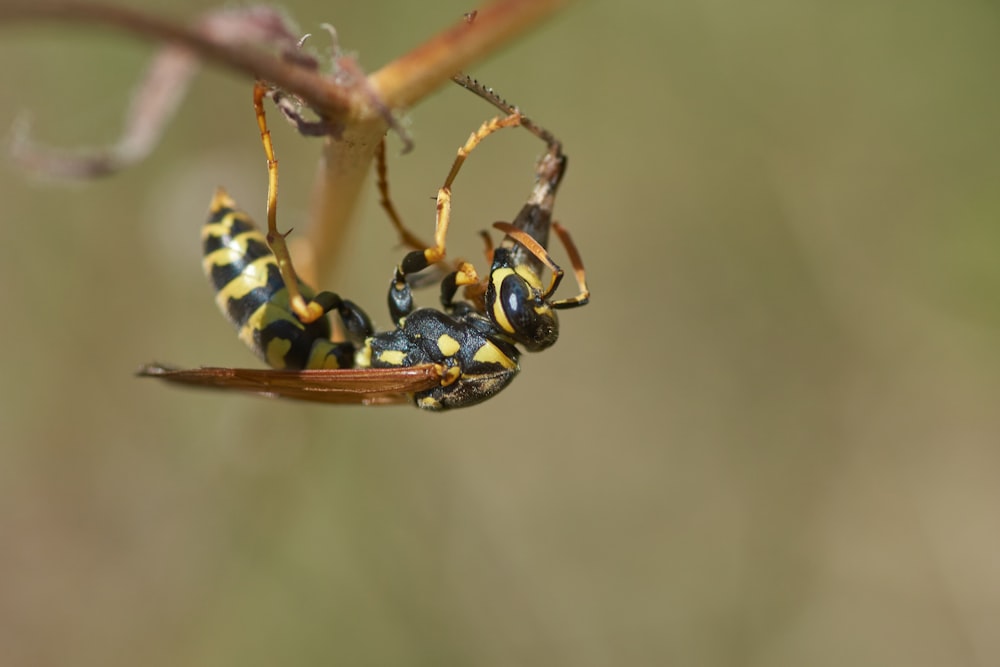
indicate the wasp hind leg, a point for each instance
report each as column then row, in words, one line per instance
column 357, row 324
column 306, row 311
column 406, row 237
column 325, row 353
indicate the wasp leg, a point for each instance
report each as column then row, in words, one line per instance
column 401, row 294
column 400, row 298
column 419, row 260
column 406, row 237
column 476, row 293
column 356, row 322
column 306, row 311
column 464, row 275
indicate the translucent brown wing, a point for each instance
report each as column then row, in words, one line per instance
column 356, row 386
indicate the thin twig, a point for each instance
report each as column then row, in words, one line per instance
column 410, row 78
column 360, row 109
column 326, row 98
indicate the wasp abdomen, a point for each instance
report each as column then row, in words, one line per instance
column 251, row 294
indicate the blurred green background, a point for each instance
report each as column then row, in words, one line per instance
column 771, row 439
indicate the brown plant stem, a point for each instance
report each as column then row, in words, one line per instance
column 400, row 84
column 360, row 112
column 413, row 76
column 321, row 94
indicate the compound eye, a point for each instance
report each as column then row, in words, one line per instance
column 533, row 322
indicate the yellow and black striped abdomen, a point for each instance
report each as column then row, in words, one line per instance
column 251, row 294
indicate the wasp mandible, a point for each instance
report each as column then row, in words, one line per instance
column 455, row 357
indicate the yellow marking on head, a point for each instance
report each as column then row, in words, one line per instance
column 498, row 275
column 499, row 314
column 529, row 276
column 448, row 345
column 392, row 357
column 489, row 353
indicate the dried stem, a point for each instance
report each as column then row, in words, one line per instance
column 413, row 76
column 316, row 90
column 401, row 84
column 360, row 110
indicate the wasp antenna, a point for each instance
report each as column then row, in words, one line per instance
column 536, row 249
column 583, row 298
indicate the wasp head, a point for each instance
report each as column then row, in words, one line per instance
column 517, row 303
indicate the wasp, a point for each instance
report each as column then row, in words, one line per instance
column 454, row 357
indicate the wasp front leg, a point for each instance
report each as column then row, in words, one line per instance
column 466, row 276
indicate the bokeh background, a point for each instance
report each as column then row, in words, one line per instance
column 773, row 438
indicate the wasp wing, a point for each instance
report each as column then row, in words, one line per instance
column 357, row 386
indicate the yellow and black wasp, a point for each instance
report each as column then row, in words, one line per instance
column 437, row 359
